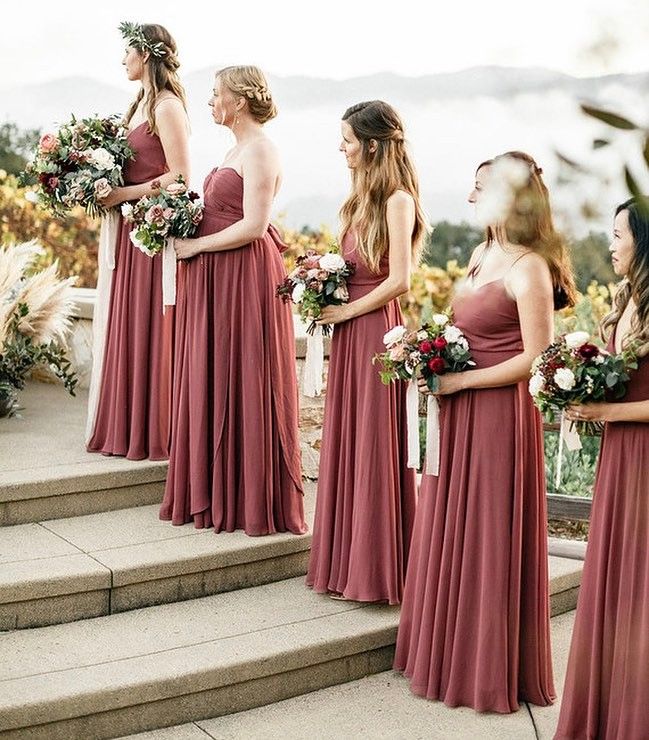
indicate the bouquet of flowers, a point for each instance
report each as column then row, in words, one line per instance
column 35, row 316
column 173, row 211
column 438, row 347
column 80, row 164
column 572, row 370
column 317, row 281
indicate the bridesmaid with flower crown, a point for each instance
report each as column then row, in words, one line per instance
column 606, row 694
column 474, row 629
column 366, row 494
column 235, row 451
column 130, row 394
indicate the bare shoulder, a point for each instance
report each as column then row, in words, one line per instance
column 400, row 201
column 167, row 101
column 169, row 110
column 531, row 272
column 261, row 154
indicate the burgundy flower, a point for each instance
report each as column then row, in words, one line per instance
column 426, row 347
column 439, row 342
column 436, row 365
column 193, row 195
column 588, row 351
column 53, row 182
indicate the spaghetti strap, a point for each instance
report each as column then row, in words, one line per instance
column 520, row 257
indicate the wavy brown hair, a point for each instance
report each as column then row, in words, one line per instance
column 381, row 173
column 162, row 72
column 636, row 283
column 249, row 82
column 529, row 223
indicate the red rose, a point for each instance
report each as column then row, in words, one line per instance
column 439, row 343
column 588, row 351
column 425, row 347
column 436, row 365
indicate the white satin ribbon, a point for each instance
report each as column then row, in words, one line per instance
column 313, row 364
column 569, row 436
column 412, row 417
column 168, row 274
column 105, row 265
column 432, row 436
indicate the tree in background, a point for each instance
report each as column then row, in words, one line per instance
column 16, row 146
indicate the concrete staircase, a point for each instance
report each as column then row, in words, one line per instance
column 117, row 623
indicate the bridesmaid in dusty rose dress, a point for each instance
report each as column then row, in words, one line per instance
column 132, row 417
column 366, row 495
column 474, row 628
column 606, row 695
column 235, row 454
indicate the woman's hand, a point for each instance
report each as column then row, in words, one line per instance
column 186, row 248
column 114, row 198
column 446, row 384
column 334, row 314
column 590, row 412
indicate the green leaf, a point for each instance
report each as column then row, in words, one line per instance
column 632, row 185
column 600, row 143
column 612, row 119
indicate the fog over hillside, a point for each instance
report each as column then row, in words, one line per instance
column 453, row 121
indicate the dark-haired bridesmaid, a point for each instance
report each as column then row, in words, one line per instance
column 235, row 453
column 130, row 392
column 474, row 627
column 366, row 494
column 606, row 694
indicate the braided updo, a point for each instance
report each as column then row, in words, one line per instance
column 249, row 82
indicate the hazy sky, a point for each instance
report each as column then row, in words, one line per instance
column 329, row 38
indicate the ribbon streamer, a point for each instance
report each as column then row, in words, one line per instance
column 412, row 416
column 313, row 364
column 168, row 274
column 106, row 265
column 432, row 436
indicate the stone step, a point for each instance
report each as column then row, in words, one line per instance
column 381, row 707
column 174, row 663
column 46, row 473
column 67, row 569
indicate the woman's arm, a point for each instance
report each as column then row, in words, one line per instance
column 261, row 171
column 530, row 284
column 623, row 411
column 171, row 121
column 400, row 215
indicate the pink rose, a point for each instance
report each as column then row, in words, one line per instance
column 48, row 143
column 102, row 188
column 168, row 213
column 155, row 215
column 398, row 353
column 53, row 182
column 176, row 188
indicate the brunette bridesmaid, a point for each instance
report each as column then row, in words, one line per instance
column 606, row 694
column 474, row 627
column 366, row 494
column 235, row 454
column 129, row 412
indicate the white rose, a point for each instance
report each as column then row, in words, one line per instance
column 564, row 378
column 331, row 262
column 127, row 210
column 536, row 384
column 298, row 293
column 31, row 196
column 576, row 339
column 101, row 158
column 394, row 335
column 441, row 319
column 452, row 334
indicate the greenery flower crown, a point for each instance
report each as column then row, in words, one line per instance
column 133, row 33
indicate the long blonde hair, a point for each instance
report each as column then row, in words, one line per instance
column 249, row 82
column 162, row 71
column 380, row 174
column 636, row 284
column 529, row 223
